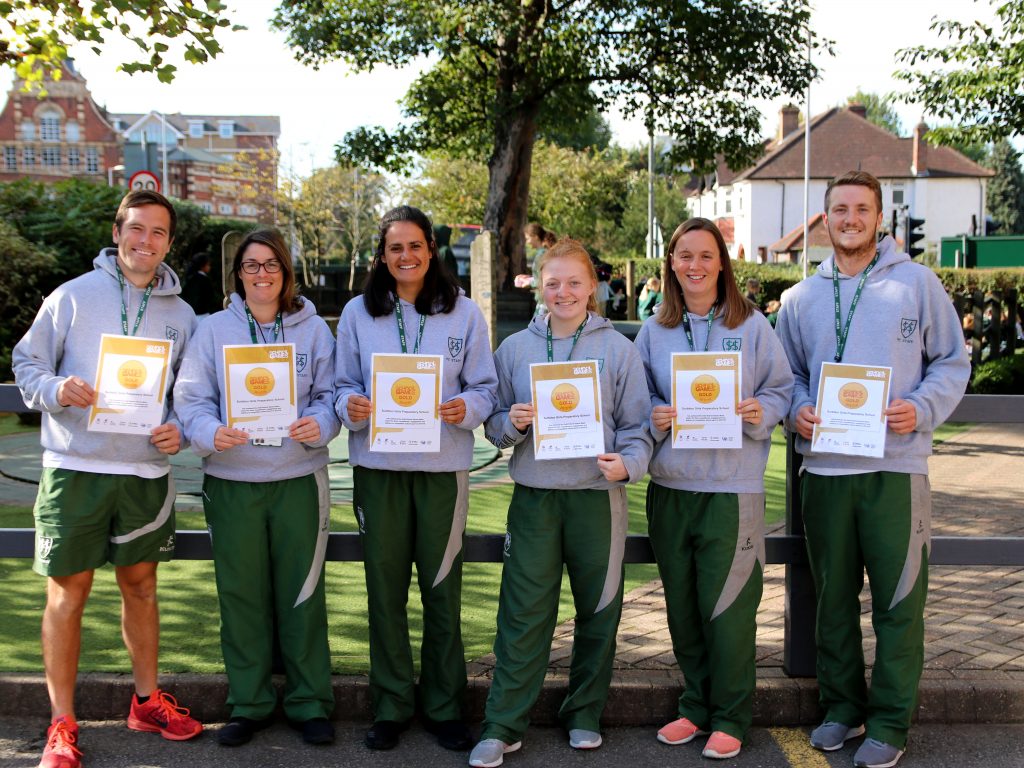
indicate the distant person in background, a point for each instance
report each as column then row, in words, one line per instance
column 604, row 288
column 443, row 237
column 199, row 291
column 539, row 240
column 773, row 311
column 650, row 297
column 753, row 289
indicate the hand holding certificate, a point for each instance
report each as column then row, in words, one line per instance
column 705, row 396
column 131, row 381
column 406, row 397
column 567, row 410
column 851, row 405
column 260, row 388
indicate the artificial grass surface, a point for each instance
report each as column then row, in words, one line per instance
column 188, row 601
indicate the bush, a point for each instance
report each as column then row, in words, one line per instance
column 27, row 268
column 1004, row 376
column 985, row 280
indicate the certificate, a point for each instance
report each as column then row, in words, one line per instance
column 259, row 382
column 131, row 384
column 705, row 393
column 567, row 410
column 406, row 395
column 851, row 403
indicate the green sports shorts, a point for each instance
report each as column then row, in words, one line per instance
column 86, row 519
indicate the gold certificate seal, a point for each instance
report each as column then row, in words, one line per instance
column 405, row 392
column 853, row 395
column 705, row 389
column 565, row 397
column 259, row 382
column 131, row 374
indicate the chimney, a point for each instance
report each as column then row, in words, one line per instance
column 919, row 164
column 789, row 120
column 858, row 109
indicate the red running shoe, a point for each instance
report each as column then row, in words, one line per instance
column 60, row 750
column 161, row 714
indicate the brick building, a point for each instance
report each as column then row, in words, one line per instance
column 226, row 164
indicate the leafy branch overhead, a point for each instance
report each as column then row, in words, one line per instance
column 690, row 70
column 974, row 79
column 35, row 35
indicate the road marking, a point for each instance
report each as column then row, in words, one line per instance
column 797, row 749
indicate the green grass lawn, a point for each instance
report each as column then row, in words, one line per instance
column 188, row 601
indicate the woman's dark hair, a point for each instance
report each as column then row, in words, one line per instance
column 440, row 289
column 733, row 306
column 289, row 301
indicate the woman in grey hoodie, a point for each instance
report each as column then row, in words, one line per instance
column 570, row 512
column 267, row 502
column 411, row 507
column 705, row 506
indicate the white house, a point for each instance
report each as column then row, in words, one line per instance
column 763, row 203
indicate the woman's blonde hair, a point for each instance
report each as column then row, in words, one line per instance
column 567, row 248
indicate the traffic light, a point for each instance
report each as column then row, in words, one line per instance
column 914, row 233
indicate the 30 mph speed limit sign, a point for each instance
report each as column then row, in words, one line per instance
column 144, row 180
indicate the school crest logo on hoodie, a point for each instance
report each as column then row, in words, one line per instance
column 454, row 346
column 171, row 333
column 300, row 361
column 907, row 327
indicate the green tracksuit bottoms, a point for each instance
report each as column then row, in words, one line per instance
column 406, row 518
column 710, row 553
column 269, row 541
column 881, row 522
column 585, row 530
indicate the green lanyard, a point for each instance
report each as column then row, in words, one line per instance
column 575, row 338
column 401, row 329
column 142, row 305
column 842, row 333
column 252, row 327
column 689, row 330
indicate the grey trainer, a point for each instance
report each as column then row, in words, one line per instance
column 831, row 736
column 489, row 753
column 583, row 739
column 876, row 754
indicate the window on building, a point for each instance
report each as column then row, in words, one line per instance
column 28, row 130
column 71, row 132
column 247, row 210
column 49, row 126
column 226, row 128
column 92, row 160
column 206, row 205
column 897, row 194
column 28, row 157
column 728, row 203
column 195, row 129
column 51, row 157
column 74, row 159
column 10, row 159
column 225, row 209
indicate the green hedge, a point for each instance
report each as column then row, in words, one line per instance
column 1004, row 376
column 775, row 278
column 961, row 280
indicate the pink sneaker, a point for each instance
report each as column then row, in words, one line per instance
column 722, row 746
column 680, row 731
column 60, row 750
column 161, row 714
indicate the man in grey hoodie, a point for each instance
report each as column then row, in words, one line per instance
column 105, row 497
column 870, row 305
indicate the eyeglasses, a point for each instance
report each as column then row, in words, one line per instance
column 253, row 267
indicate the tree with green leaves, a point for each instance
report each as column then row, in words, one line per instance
column 504, row 70
column 1005, row 195
column 974, row 79
column 880, row 110
column 35, row 35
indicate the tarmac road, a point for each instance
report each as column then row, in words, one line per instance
column 111, row 745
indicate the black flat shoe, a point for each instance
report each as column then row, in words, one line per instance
column 317, row 731
column 451, row 734
column 239, row 730
column 384, row 734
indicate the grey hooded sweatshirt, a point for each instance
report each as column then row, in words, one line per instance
column 202, row 407
column 625, row 405
column 64, row 341
column 904, row 320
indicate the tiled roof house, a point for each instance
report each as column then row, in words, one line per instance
column 765, row 201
